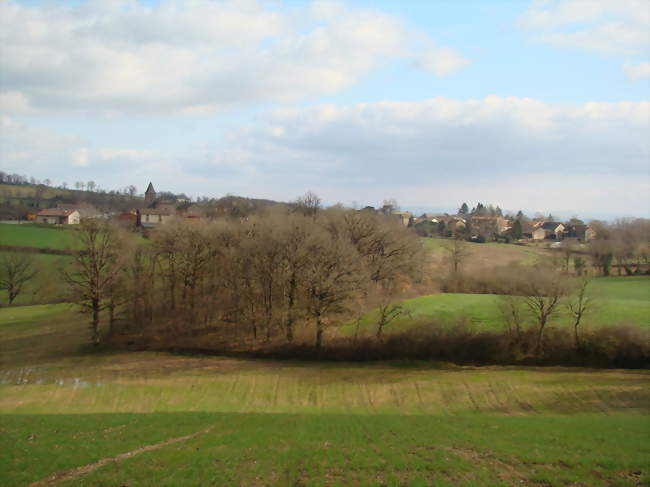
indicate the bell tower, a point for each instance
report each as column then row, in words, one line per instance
column 149, row 195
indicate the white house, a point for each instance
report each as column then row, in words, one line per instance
column 58, row 216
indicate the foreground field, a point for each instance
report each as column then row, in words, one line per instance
column 173, row 420
column 619, row 300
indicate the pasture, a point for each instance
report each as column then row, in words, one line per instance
column 70, row 415
column 38, row 236
column 46, row 286
column 618, row 300
column 488, row 254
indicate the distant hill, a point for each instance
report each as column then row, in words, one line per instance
column 19, row 200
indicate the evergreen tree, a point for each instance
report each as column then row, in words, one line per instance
column 516, row 230
column 499, row 212
column 520, row 215
column 464, row 209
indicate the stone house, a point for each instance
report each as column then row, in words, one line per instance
column 58, row 216
column 582, row 233
column 538, row 234
column 552, row 231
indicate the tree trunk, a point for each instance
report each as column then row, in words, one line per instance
column 95, row 324
column 111, row 317
column 319, row 333
column 540, row 336
column 292, row 292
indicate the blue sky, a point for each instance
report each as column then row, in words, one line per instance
column 537, row 105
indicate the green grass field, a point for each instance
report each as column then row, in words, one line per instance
column 73, row 416
column 618, row 300
column 46, row 286
column 40, row 236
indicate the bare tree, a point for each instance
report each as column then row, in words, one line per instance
column 15, row 271
column 579, row 306
column 543, row 290
column 95, row 269
column 330, row 279
column 309, row 204
column 567, row 247
column 456, row 254
column 512, row 312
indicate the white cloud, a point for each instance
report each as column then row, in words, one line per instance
column 442, row 61
column 636, row 72
column 13, row 102
column 606, row 26
column 518, row 152
column 192, row 56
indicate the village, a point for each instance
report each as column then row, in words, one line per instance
column 480, row 224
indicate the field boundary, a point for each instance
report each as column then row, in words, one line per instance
column 91, row 467
column 36, row 250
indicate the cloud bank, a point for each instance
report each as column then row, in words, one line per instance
column 193, row 57
column 519, row 152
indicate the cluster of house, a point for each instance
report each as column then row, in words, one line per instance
column 497, row 225
column 155, row 212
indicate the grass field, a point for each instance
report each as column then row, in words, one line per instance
column 618, row 300
column 46, row 286
column 40, row 236
column 489, row 254
column 72, row 416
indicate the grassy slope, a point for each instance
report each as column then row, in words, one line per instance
column 619, row 300
column 488, row 254
column 279, row 423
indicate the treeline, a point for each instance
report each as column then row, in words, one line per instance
column 255, row 280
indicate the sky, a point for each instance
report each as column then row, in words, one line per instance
column 537, row 105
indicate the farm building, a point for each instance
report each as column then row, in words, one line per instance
column 58, row 216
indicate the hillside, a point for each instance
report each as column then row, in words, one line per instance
column 17, row 201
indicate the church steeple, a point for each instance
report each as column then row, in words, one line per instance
column 149, row 195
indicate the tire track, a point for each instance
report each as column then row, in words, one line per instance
column 91, row 467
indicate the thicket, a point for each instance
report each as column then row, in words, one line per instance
column 262, row 277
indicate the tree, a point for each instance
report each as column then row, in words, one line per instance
column 331, row 279
column 15, row 271
column 543, row 290
column 95, row 269
column 512, row 312
column 389, row 206
column 309, row 204
column 463, row 210
column 601, row 252
column 567, row 248
column 579, row 265
column 516, row 231
column 91, row 185
column 456, row 253
column 580, row 305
